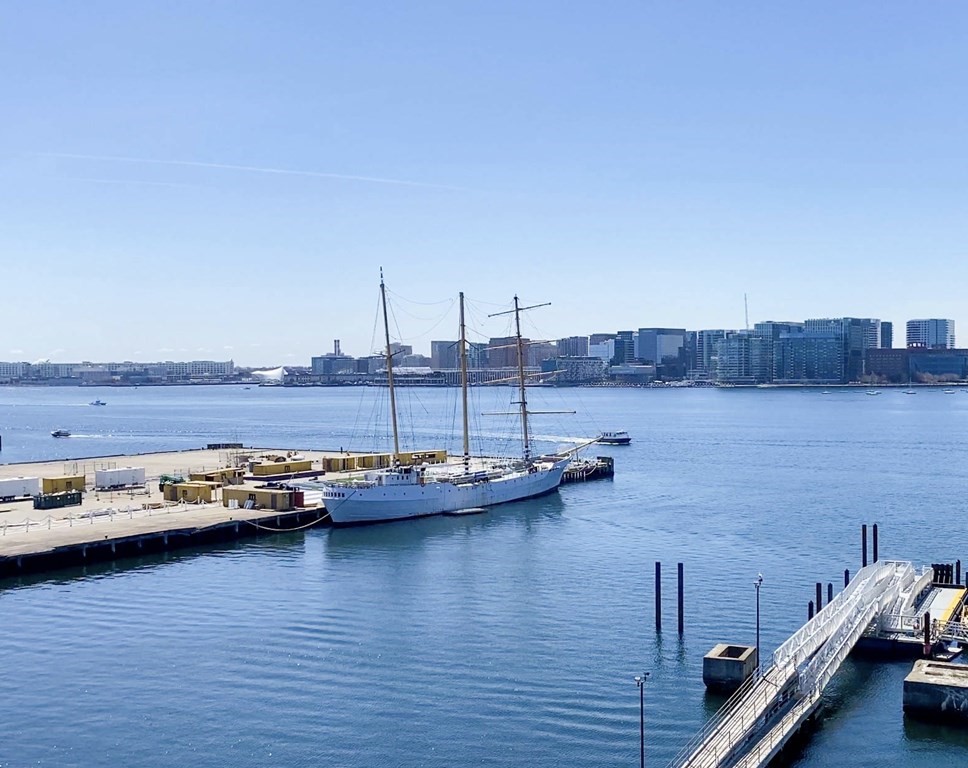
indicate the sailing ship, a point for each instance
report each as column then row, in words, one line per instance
column 411, row 490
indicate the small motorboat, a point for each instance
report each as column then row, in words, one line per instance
column 60, row 433
column 873, row 392
column 99, row 401
column 619, row 437
column 909, row 392
column 948, row 391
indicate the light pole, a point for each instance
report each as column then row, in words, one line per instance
column 757, row 583
column 640, row 682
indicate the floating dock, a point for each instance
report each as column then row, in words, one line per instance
column 583, row 470
column 887, row 604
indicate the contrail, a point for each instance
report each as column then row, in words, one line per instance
column 252, row 169
column 131, row 181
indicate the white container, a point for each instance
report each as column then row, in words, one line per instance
column 122, row 477
column 19, row 486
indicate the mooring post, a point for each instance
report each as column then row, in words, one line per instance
column 819, row 596
column 658, row 596
column 830, row 593
column 927, row 633
column 846, row 577
column 681, row 611
column 863, row 549
column 810, row 610
column 874, row 541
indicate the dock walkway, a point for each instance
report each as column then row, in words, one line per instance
column 760, row 717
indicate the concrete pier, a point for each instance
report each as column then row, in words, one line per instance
column 937, row 690
column 726, row 667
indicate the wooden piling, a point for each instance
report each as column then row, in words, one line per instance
column 810, row 610
column 658, row 596
column 830, row 593
column 863, row 546
column 874, row 541
column 846, row 577
column 819, row 596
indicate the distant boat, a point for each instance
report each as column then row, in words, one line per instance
column 99, row 401
column 60, row 433
column 619, row 437
column 909, row 392
column 873, row 392
column 825, row 392
column 948, row 391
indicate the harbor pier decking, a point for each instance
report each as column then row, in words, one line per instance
column 187, row 498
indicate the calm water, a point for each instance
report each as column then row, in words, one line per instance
column 507, row 639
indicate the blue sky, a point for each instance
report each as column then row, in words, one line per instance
column 633, row 163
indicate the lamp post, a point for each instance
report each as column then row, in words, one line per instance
column 757, row 584
column 640, row 682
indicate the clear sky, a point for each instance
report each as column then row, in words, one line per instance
column 634, row 163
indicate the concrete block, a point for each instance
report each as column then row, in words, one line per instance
column 937, row 689
column 726, row 667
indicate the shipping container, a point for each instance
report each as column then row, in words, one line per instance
column 190, row 492
column 122, row 477
column 13, row 487
column 63, row 483
column 286, row 467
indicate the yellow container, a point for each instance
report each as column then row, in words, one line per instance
column 63, row 483
column 190, row 492
column 262, row 498
column 340, row 464
column 287, row 467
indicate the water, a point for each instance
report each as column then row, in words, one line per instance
column 506, row 639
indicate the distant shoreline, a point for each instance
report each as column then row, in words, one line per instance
column 610, row 385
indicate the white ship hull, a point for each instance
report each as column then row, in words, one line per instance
column 376, row 502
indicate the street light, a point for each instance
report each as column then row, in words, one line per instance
column 757, row 584
column 640, row 682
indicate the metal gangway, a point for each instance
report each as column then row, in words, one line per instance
column 758, row 720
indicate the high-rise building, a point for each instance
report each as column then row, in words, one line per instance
column 815, row 356
column 702, row 353
column 770, row 331
column 536, row 352
column 502, row 352
column 931, row 334
column 856, row 335
column 444, row 355
column 887, row 334
column 733, row 358
column 624, row 347
column 604, row 349
column 573, row 346
column 660, row 345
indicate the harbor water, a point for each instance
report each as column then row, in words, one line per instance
column 504, row 639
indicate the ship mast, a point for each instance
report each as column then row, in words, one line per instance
column 389, row 356
column 463, row 383
column 518, row 309
column 524, row 397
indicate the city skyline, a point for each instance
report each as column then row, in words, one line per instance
column 209, row 174
column 442, row 353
